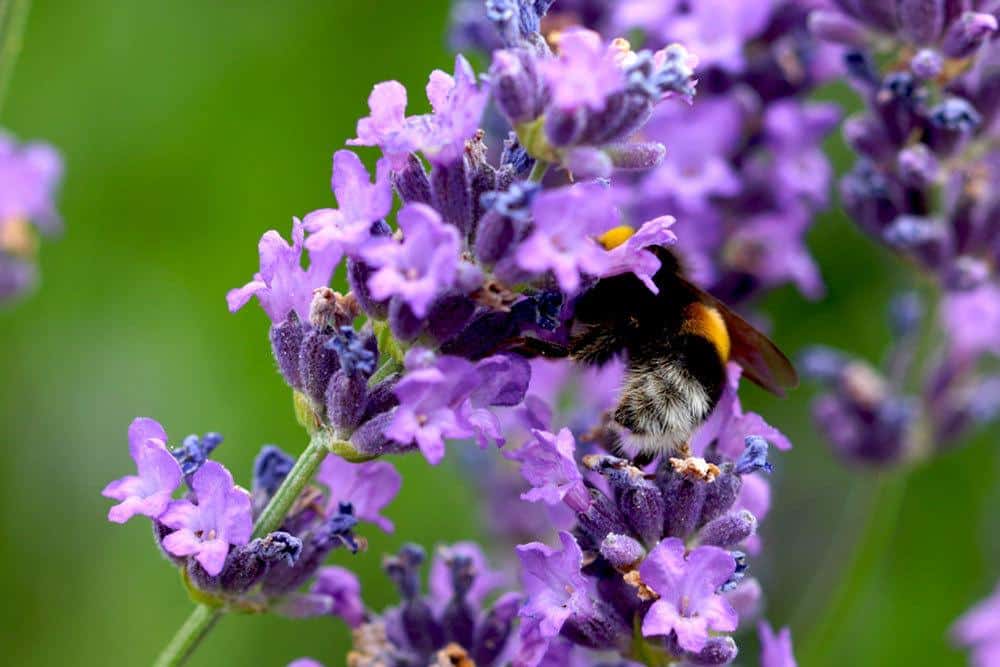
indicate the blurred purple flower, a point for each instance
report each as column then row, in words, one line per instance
column 795, row 130
column 972, row 320
column 689, row 603
column 148, row 493
column 775, row 649
column 585, row 72
column 360, row 203
column 221, row 517
column 979, row 631
column 29, row 176
column 441, row 583
column 420, row 267
column 342, row 589
column 282, row 286
column 368, row 487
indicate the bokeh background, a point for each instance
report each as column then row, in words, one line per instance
column 188, row 129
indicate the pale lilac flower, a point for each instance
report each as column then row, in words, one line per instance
column 555, row 590
column 633, row 256
column 305, row 662
column 689, row 604
column 29, row 176
column 282, row 286
column 458, row 102
column 585, row 73
column 979, row 631
column 343, row 590
column 359, row 204
column 420, row 267
column 775, row 649
column 772, row 248
column 149, row 492
column 972, row 320
column 221, row 517
column 548, row 463
column 731, row 426
column 795, row 130
column 368, row 487
column 565, row 243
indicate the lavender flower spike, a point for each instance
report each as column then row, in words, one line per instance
column 689, row 603
column 149, row 492
column 282, row 286
column 221, row 517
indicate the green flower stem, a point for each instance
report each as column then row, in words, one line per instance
column 13, row 19
column 538, row 171
column 869, row 553
column 204, row 617
column 390, row 366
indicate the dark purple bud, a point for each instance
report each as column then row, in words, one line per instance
column 317, row 543
column 754, row 457
column 194, row 451
column 269, row 470
column 924, row 238
column 354, row 352
column 717, row 651
column 636, row 156
column 955, row 114
column 564, row 127
column 821, row 363
column 623, row 552
column 601, row 518
column 921, row 20
column 247, row 564
column 403, row 323
column 897, row 102
column 833, row 26
column 639, row 500
column 867, row 136
column 968, row 33
column 370, row 439
column 358, row 274
column 381, row 397
column 452, row 194
column 869, row 198
column 317, row 364
column 685, row 499
column 422, row 631
column 926, row 64
column 517, row 88
column 729, row 530
column 906, row 312
column 286, row 340
column 599, row 628
column 494, row 629
column 411, row 182
column 879, row 13
column 448, row 315
column 494, row 237
column 861, row 68
column 458, row 619
column 345, row 400
column 720, row 496
column 917, row 166
column 587, row 163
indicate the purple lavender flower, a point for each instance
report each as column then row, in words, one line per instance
column 979, row 631
column 689, row 603
column 565, row 244
column 420, row 267
column 368, row 487
column 148, row 493
column 972, row 319
column 220, row 517
column 633, row 257
column 548, row 463
column 776, row 649
column 342, row 589
column 458, row 102
column 282, row 286
column 360, row 203
column 585, row 73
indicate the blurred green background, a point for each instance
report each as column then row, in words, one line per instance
column 188, row 129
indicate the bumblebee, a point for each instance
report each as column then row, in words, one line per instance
column 675, row 344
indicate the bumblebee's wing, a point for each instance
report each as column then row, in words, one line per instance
column 763, row 363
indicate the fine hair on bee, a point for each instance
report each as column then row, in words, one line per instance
column 675, row 345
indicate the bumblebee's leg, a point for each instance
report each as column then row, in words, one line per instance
column 643, row 459
column 530, row 348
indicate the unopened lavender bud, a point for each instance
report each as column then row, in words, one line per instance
column 685, row 499
column 921, row 20
column 370, row 439
column 967, row 33
column 381, row 397
column 452, row 195
column 720, row 496
column 639, row 500
column 833, row 26
column 822, row 363
column 458, row 620
column 494, row 629
column 286, row 340
column 317, row 364
column 517, row 88
column 249, row 563
column 729, row 530
column 358, row 273
column 623, row 552
column 194, row 451
column 754, row 457
column 563, row 127
column 917, row 166
column 717, row 651
column 270, row 469
column 636, row 156
column 449, row 315
column 955, row 114
column 403, row 323
column 587, row 163
column 879, row 13
column 926, row 64
column 345, row 400
column 422, row 630
column 357, row 354
column 925, row 238
column 601, row 518
column 411, row 182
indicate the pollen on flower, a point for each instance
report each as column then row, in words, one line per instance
column 695, row 467
column 613, row 238
column 17, row 237
column 644, row 592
